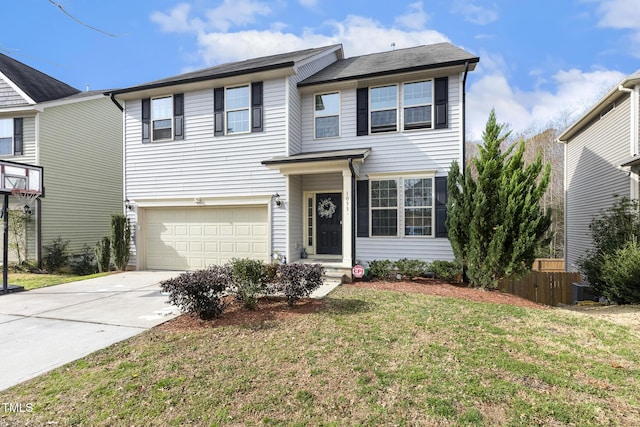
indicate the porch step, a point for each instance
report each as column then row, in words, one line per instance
column 340, row 274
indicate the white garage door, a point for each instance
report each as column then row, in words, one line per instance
column 195, row 238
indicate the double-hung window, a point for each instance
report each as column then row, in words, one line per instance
column 162, row 118
column 417, row 102
column 327, row 115
column 237, row 108
column 402, row 206
column 384, row 109
column 6, row 136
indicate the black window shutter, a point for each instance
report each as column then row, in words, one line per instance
column 146, row 120
column 362, row 113
column 178, row 116
column 362, row 209
column 441, row 206
column 441, row 98
column 17, row 136
column 218, row 111
column 256, row 107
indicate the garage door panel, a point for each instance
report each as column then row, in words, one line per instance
column 194, row 238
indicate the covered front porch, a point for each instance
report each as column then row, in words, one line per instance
column 320, row 205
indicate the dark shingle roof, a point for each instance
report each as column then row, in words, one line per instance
column 37, row 85
column 264, row 63
column 393, row 62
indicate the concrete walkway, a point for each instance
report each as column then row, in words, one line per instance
column 49, row 327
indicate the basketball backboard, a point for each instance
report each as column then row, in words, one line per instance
column 22, row 177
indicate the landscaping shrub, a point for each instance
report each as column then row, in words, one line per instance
column 120, row 240
column 103, row 254
column 56, row 255
column 85, row 263
column 610, row 231
column 622, row 272
column 247, row 280
column 296, row 281
column 199, row 292
column 446, row 271
column 410, row 268
column 381, row 269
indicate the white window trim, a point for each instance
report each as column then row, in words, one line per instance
column 402, row 118
column 12, row 136
column 170, row 118
column 397, row 108
column 400, row 203
column 229, row 110
column 316, row 115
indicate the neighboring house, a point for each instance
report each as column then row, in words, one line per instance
column 601, row 161
column 292, row 155
column 77, row 138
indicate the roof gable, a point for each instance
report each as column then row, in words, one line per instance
column 393, row 62
column 37, row 85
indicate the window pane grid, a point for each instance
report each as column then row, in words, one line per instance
column 238, row 121
column 384, row 107
column 237, row 98
column 6, row 136
column 417, row 104
column 162, row 117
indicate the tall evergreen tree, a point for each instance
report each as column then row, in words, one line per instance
column 494, row 221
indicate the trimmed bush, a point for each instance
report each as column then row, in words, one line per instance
column 622, row 272
column 199, row 292
column 85, row 263
column 446, row 271
column 120, row 240
column 247, row 280
column 410, row 268
column 56, row 255
column 103, row 254
column 297, row 281
column 381, row 269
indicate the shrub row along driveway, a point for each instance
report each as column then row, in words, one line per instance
column 48, row 327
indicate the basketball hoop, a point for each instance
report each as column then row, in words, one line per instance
column 26, row 199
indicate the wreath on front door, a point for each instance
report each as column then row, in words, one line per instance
column 326, row 208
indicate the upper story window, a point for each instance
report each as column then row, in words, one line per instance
column 327, row 115
column 6, row 136
column 237, row 107
column 417, row 100
column 162, row 118
column 384, row 109
column 402, row 206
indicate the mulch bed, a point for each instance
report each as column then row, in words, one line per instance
column 271, row 308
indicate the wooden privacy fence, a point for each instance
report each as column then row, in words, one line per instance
column 548, row 264
column 543, row 287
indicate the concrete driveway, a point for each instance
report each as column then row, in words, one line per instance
column 46, row 328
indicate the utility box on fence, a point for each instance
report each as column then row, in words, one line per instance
column 583, row 292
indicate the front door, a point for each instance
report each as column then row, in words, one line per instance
column 329, row 223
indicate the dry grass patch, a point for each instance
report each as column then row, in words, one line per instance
column 363, row 357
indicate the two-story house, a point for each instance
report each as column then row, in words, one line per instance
column 76, row 137
column 302, row 154
column 602, row 160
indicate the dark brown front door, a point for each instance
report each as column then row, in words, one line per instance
column 329, row 223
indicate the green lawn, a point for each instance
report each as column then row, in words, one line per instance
column 35, row 281
column 367, row 358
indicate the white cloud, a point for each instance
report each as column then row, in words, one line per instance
column 308, row 3
column 177, row 20
column 414, row 19
column 619, row 14
column 574, row 91
column 473, row 13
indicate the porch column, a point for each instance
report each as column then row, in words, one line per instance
column 347, row 219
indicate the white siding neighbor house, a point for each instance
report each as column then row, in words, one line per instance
column 77, row 138
column 602, row 161
column 306, row 154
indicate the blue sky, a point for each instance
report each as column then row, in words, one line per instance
column 540, row 61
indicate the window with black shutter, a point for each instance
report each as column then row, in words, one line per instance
column 17, row 136
column 441, row 206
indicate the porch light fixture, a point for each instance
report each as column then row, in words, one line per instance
column 276, row 199
column 128, row 204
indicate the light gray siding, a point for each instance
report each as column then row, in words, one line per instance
column 295, row 209
column 81, row 151
column 593, row 176
column 430, row 150
column 8, row 96
column 28, row 142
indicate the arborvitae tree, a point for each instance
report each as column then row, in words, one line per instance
column 120, row 240
column 494, row 222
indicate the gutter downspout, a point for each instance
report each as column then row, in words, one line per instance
column 633, row 141
column 115, row 101
column 464, row 96
column 353, row 212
